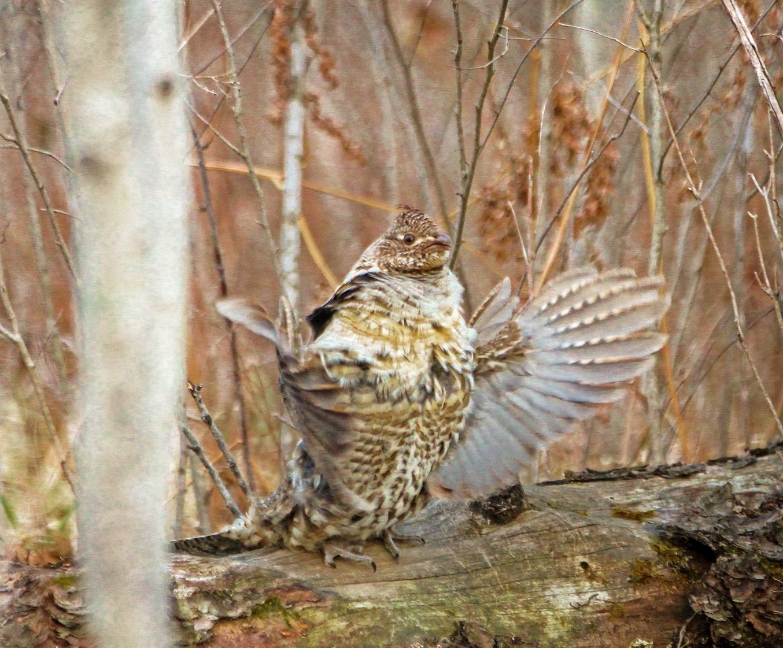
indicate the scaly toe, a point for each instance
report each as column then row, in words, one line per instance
column 355, row 553
column 388, row 542
column 402, row 537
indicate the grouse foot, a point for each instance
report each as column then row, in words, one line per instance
column 390, row 536
column 356, row 552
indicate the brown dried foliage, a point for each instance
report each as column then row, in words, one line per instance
column 570, row 128
column 280, row 31
column 498, row 199
column 598, row 191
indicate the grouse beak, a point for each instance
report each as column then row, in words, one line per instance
column 442, row 242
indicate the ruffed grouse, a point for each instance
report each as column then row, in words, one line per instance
column 397, row 398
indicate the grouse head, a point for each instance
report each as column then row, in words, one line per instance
column 413, row 246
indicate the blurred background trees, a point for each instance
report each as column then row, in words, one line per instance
column 576, row 166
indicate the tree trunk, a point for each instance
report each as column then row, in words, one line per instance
column 126, row 125
column 676, row 554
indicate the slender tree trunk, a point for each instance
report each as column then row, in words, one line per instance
column 126, row 120
column 290, row 241
column 652, row 388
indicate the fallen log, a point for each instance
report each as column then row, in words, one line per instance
column 677, row 555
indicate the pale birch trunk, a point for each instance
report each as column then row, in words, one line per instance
column 125, row 116
column 290, row 241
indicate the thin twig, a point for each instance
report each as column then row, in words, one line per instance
column 766, row 286
column 49, row 154
column 752, row 50
column 583, row 173
column 770, row 195
column 772, row 293
column 195, row 446
column 597, row 33
column 243, row 150
column 195, row 392
column 21, row 142
column 14, row 335
column 218, row 252
column 468, row 172
column 551, row 259
column 315, row 253
column 700, row 206
column 415, row 112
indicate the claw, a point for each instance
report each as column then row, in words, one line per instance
column 355, row 552
column 388, row 542
column 390, row 536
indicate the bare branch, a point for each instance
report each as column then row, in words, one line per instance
column 469, row 172
column 195, row 392
column 415, row 112
column 243, row 150
column 21, row 142
column 752, row 50
column 293, row 153
column 195, row 446
column 237, row 375
column 700, row 206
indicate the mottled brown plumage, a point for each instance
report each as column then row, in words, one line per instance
column 398, row 399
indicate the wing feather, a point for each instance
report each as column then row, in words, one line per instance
column 567, row 352
column 322, row 409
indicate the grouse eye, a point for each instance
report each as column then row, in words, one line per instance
column 408, row 239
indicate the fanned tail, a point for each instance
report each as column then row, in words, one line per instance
column 261, row 527
column 539, row 368
column 215, row 544
column 589, row 329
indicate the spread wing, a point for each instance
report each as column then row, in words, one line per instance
column 324, row 413
column 557, row 360
column 324, row 403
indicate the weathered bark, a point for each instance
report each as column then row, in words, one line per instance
column 626, row 556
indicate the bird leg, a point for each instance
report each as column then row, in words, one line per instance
column 390, row 536
column 355, row 552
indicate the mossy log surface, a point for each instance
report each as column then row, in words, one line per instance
column 598, row 560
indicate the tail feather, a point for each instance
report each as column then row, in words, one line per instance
column 215, row 544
